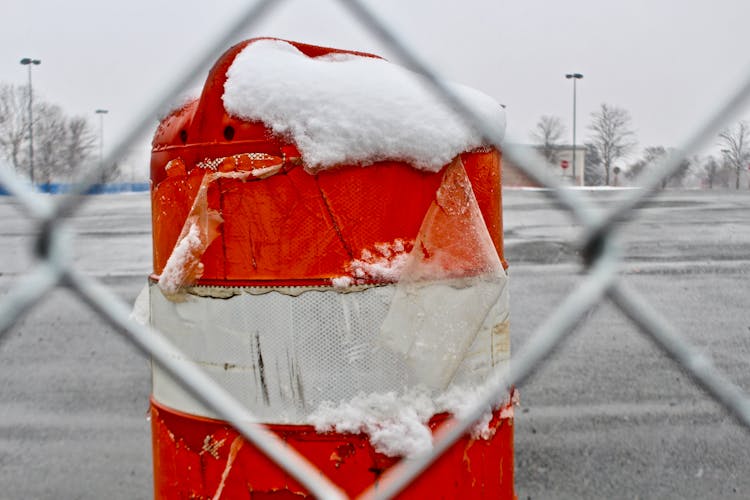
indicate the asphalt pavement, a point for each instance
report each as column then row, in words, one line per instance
column 607, row 416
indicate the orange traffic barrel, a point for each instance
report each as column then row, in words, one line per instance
column 327, row 242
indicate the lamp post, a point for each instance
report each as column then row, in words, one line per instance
column 101, row 113
column 574, row 76
column 27, row 61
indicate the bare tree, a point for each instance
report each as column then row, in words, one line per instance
column 547, row 134
column 62, row 144
column 14, row 125
column 80, row 145
column 593, row 168
column 735, row 144
column 49, row 140
column 651, row 155
column 655, row 156
column 612, row 136
column 677, row 179
column 711, row 169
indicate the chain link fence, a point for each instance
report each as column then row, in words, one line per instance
column 602, row 256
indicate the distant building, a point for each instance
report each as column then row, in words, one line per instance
column 563, row 167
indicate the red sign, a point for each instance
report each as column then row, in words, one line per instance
column 564, row 163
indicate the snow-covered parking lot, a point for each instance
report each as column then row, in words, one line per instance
column 608, row 416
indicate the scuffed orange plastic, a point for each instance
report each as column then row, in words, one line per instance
column 191, row 455
column 295, row 226
column 291, row 227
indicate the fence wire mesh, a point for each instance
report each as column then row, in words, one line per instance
column 600, row 270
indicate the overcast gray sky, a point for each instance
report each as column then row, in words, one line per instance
column 667, row 62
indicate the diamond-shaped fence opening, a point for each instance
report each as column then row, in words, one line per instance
column 597, row 252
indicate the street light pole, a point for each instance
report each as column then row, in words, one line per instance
column 101, row 113
column 574, row 76
column 27, row 61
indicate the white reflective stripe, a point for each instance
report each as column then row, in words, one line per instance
column 433, row 323
column 283, row 355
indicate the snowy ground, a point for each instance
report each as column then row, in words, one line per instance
column 607, row 417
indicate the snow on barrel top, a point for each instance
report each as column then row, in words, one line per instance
column 352, row 109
